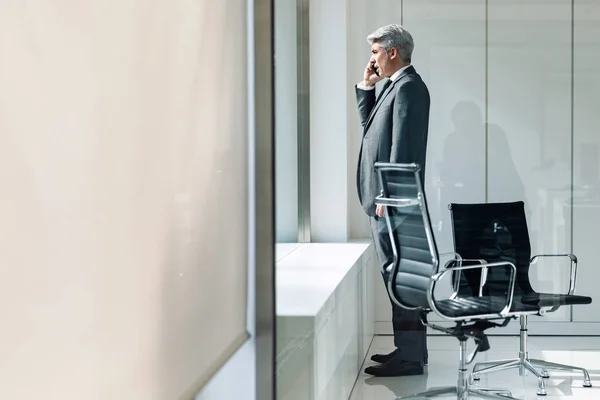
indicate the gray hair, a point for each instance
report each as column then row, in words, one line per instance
column 394, row 36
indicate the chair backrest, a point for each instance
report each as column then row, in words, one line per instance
column 416, row 257
column 492, row 232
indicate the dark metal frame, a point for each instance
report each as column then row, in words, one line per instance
column 261, row 143
column 303, row 93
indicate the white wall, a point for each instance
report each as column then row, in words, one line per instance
column 339, row 53
column 328, row 129
column 529, row 152
column 586, row 153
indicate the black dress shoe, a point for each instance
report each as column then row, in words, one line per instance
column 396, row 367
column 383, row 358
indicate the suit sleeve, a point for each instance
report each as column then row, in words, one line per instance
column 366, row 102
column 407, row 124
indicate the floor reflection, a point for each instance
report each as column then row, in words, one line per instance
column 443, row 362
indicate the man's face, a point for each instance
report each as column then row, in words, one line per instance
column 381, row 59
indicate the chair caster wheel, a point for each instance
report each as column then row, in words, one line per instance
column 587, row 385
column 475, row 377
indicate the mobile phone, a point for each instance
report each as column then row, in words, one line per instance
column 374, row 69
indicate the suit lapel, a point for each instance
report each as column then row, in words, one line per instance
column 380, row 100
column 385, row 93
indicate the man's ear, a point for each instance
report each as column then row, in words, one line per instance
column 393, row 53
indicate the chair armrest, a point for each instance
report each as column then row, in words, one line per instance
column 459, row 262
column 387, row 201
column 451, row 253
column 511, row 285
column 573, row 274
column 450, row 264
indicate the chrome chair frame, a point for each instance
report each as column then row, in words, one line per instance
column 464, row 387
column 524, row 363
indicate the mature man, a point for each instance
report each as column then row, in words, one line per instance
column 395, row 128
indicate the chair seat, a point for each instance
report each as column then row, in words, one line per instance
column 471, row 305
column 551, row 299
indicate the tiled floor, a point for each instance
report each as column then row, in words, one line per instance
column 443, row 364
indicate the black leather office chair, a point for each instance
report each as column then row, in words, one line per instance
column 415, row 272
column 498, row 232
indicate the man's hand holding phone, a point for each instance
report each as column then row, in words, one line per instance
column 371, row 76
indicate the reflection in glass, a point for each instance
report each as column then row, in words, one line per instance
column 531, row 102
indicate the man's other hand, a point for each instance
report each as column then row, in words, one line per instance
column 379, row 211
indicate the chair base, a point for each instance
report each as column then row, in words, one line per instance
column 463, row 389
column 525, row 364
column 463, row 393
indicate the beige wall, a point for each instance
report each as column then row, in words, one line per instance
column 123, row 241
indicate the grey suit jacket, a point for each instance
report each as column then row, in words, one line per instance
column 395, row 130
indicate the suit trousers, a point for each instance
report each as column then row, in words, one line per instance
column 410, row 335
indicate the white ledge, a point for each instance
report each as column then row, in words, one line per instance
column 323, row 294
column 309, row 274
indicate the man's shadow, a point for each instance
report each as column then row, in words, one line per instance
column 477, row 167
column 476, row 164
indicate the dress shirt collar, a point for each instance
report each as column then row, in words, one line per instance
column 397, row 73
